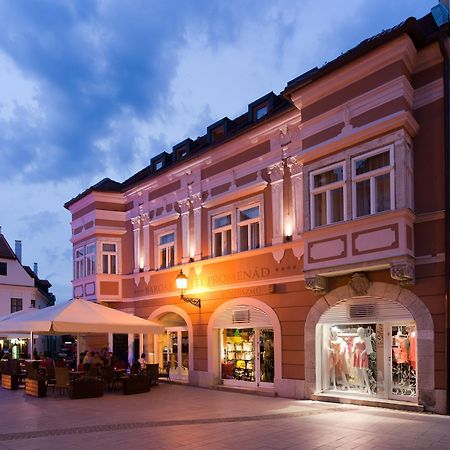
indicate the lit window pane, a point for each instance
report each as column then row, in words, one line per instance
column 218, row 244
column 250, row 213
column 105, row 264
column 227, row 246
column 383, row 192
column 167, row 238
column 372, row 163
column 331, row 176
column 337, row 205
column 222, row 221
column 243, row 238
column 254, row 236
column 363, row 198
column 320, row 209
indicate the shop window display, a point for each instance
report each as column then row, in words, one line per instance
column 239, row 355
column 374, row 359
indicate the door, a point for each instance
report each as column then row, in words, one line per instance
column 176, row 352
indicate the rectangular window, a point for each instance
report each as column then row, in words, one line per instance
column 249, row 228
column 78, row 262
column 373, row 182
column 261, row 112
column 166, row 250
column 33, row 304
column 109, row 258
column 221, row 229
column 3, row 268
column 90, row 259
column 327, row 195
column 16, row 304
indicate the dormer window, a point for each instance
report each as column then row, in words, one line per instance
column 219, row 129
column 182, row 149
column 261, row 107
column 160, row 161
column 158, row 165
column 261, row 111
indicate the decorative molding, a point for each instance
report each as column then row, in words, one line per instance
column 298, row 251
column 184, row 205
column 278, row 255
column 196, row 200
column 404, row 273
column 317, row 284
column 359, row 284
column 276, row 172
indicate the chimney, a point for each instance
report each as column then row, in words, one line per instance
column 19, row 250
column 35, row 269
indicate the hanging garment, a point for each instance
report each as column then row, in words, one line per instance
column 360, row 360
column 400, row 351
column 336, row 356
column 412, row 349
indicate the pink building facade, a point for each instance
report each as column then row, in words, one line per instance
column 312, row 229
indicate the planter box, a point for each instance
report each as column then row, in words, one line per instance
column 10, row 381
column 36, row 388
column 136, row 384
column 86, row 388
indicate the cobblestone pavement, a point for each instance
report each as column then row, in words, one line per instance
column 173, row 416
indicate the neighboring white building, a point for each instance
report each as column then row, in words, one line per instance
column 20, row 288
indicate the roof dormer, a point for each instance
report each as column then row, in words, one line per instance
column 261, row 107
column 219, row 130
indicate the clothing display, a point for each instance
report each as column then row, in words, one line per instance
column 360, row 356
column 412, row 349
column 337, row 355
column 400, row 349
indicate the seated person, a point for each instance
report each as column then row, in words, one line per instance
column 97, row 361
column 142, row 361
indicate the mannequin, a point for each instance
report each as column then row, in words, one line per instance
column 336, row 358
column 361, row 359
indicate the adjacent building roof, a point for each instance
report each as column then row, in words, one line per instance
column 6, row 251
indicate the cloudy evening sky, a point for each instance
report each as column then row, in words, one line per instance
column 94, row 89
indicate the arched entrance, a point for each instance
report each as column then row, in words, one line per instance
column 173, row 349
column 244, row 341
column 378, row 345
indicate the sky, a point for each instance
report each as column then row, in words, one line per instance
column 94, row 88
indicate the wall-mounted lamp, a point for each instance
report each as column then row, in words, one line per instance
column 182, row 282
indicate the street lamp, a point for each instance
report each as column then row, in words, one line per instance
column 182, row 282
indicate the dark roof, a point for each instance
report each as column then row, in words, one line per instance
column 105, row 185
column 422, row 32
column 6, row 251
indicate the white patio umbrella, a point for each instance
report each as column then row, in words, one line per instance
column 78, row 317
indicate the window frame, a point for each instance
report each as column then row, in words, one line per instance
column 110, row 254
column 371, row 177
column 78, row 262
column 222, row 230
column 15, row 301
column 89, row 259
column 327, row 189
column 5, row 265
column 233, row 209
column 248, row 222
column 158, row 234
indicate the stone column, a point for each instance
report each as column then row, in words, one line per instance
column 185, row 205
column 276, row 174
column 196, row 200
column 296, row 169
column 136, row 222
column 146, row 239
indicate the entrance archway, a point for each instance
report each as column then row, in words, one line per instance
column 174, row 348
column 378, row 292
column 255, row 322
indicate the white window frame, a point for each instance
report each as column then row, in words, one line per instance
column 371, row 176
column 78, row 262
column 90, row 259
column 158, row 247
column 248, row 222
column 240, row 205
column 109, row 254
column 222, row 230
column 327, row 189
